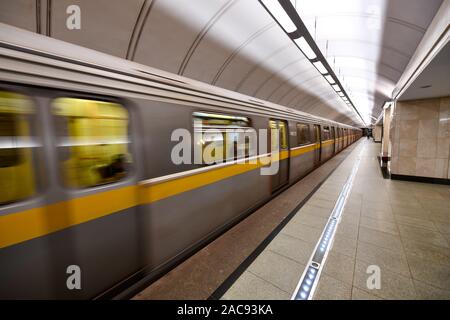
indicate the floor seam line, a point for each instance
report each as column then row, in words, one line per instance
column 270, row 282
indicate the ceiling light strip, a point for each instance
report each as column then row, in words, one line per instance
column 306, row 49
column 280, row 15
column 287, row 17
column 330, row 79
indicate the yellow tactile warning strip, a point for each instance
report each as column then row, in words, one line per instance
column 36, row 222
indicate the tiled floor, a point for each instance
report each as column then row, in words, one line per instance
column 401, row 227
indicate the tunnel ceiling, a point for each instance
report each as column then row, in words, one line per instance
column 368, row 43
column 236, row 44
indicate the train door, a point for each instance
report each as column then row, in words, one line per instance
column 345, row 138
column 341, row 143
column 338, row 139
column 318, row 149
column 281, row 178
column 99, row 167
column 333, row 136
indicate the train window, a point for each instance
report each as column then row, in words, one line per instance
column 93, row 142
column 303, row 134
column 284, row 135
column 17, row 180
column 226, row 134
column 326, row 133
column 281, row 126
column 316, row 133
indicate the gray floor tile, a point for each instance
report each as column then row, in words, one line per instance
column 310, row 220
column 427, row 252
column 251, row 287
column 443, row 227
column 432, row 273
column 384, row 215
column 344, row 245
column 292, row 248
column 429, row 194
column 427, row 292
column 384, row 258
column 420, row 234
column 321, row 203
column 316, row 211
column 329, row 288
column 350, row 219
column 302, row 232
column 278, row 270
column 440, row 216
column 412, row 203
column 352, row 208
column 393, row 285
column 416, row 222
column 340, row 267
column 410, row 212
column 349, row 230
column 324, row 195
column 380, row 239
column 358, row 294
column 379, row 225
column 376, row 205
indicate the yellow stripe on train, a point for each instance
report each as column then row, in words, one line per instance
column 36, row 222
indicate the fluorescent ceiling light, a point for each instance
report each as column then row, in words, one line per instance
column 306, row 49
column 341, row 94
column 329, row 79
column 336, row 87
column 275, row 8
column 319, row 65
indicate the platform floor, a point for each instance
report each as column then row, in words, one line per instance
column 209, row 272
column 402, row 227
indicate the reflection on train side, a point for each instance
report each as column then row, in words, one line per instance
column 17, row 179
column 223, row 137
column 92, row 141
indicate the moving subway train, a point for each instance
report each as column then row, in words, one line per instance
column 86, row 177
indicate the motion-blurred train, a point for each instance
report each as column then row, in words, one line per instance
column 86, row 177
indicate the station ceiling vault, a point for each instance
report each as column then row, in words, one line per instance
column 237, row 45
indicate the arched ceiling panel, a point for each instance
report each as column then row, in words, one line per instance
column 241, row 64
column 224, row 39
column 103, row 27
column 173, row 29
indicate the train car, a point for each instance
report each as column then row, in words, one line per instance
column 87, row 176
